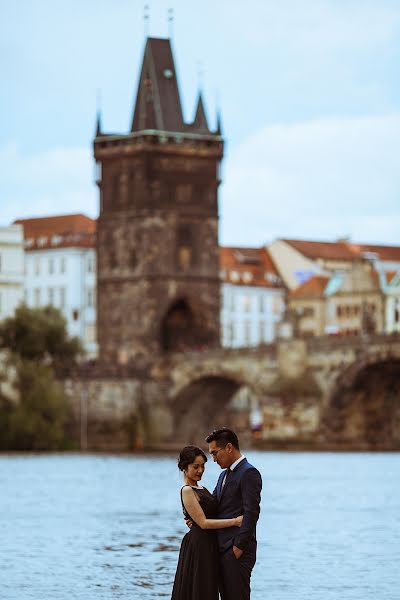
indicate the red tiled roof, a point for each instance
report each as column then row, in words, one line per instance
column 386, row 253
column 343, row 250
column 61, row 231
column 248, row 266
column 312, row 288
column 324, row 250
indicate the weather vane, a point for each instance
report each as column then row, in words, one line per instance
column 170, row 22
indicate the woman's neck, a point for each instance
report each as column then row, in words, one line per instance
column 191, row 482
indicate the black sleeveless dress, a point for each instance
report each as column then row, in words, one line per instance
column 196, row 575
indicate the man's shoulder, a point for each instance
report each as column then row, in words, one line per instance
column 248, row 467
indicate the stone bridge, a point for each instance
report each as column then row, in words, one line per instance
column 325, row 393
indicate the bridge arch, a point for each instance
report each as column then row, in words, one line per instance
column 363, row 410
column 209, row 402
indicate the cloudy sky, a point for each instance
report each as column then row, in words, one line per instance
column 309, row 92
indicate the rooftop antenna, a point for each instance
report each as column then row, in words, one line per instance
column 170, row 22
column 146, row 19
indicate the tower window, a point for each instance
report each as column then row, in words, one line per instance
column 185, row 250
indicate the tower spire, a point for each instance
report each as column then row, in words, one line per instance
column 98, row 113
column 200, row 123
column 218, row 131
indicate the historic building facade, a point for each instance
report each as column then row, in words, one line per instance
column 252, row 297
column 60, row 270
column 11, row 269
column 157, row 242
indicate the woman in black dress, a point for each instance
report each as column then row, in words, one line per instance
column 196, row 575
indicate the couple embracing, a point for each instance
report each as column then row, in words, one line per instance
column 218, row 553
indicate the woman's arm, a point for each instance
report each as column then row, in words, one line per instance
column 192, row 505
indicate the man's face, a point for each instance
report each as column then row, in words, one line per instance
column 221, row 455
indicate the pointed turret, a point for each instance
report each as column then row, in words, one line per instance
column 218, row 131
column 98, row 124
column 200, row 124
column 158, row 104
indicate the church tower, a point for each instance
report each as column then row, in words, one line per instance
column 157, row 236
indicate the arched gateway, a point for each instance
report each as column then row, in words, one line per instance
column 364, row 407
column 211, row 402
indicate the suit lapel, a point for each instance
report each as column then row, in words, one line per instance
column 232, row 476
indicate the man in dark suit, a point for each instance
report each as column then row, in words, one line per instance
column 239, row 492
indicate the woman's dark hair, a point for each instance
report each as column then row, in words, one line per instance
column 187, row 456
column 223, row 437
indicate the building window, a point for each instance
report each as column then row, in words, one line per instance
column 90, row 334
column 90, row 298
column 51, row 266
column 232, row 332
column 261, row 304
column 308, row 311
column 90, row 264
column 185, row 251
column 247, row 276
column 75, row 314
column 246, row 303
column 232, row 302
column 247, row 332
column 262, row 331
column 37, row 266
column 37, row 296
column 62, row 265
column 62, row 297
column 51, row 295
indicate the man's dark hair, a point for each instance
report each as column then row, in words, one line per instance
column 187, row 456
column 223, row 437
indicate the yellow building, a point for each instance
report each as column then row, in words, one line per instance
column 348, row 302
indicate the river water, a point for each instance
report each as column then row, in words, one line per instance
column 103, row 527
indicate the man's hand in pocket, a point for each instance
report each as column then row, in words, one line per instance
column 237, row 551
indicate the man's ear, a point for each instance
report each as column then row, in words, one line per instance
column 229, row 447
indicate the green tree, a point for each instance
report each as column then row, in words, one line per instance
column 41, row 419
column 40, row 334
column 40, row 350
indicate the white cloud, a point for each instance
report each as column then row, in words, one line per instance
column 53, row 182
column 317, row 179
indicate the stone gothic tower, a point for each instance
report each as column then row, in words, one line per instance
column 157, row 237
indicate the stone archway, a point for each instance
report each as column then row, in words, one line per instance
column 208, row 403
column 364, row 408
column 182, row 328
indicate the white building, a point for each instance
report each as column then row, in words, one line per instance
column 11, row 269
column 60, row 270
column 253, row 297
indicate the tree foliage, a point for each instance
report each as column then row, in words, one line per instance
column 42, row 418
column 40, row 350
column 40, row 335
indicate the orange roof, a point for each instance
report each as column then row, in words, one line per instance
column 60, row 231
column 324, row 250
column 343, row 250
column 312, row 288
column 385, row 253
column 248, row 266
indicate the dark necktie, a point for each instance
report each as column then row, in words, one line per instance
column 228, row 473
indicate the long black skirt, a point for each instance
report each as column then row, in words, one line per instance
column 196, row 575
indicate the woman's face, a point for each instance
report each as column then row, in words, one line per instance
column 196, row 469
